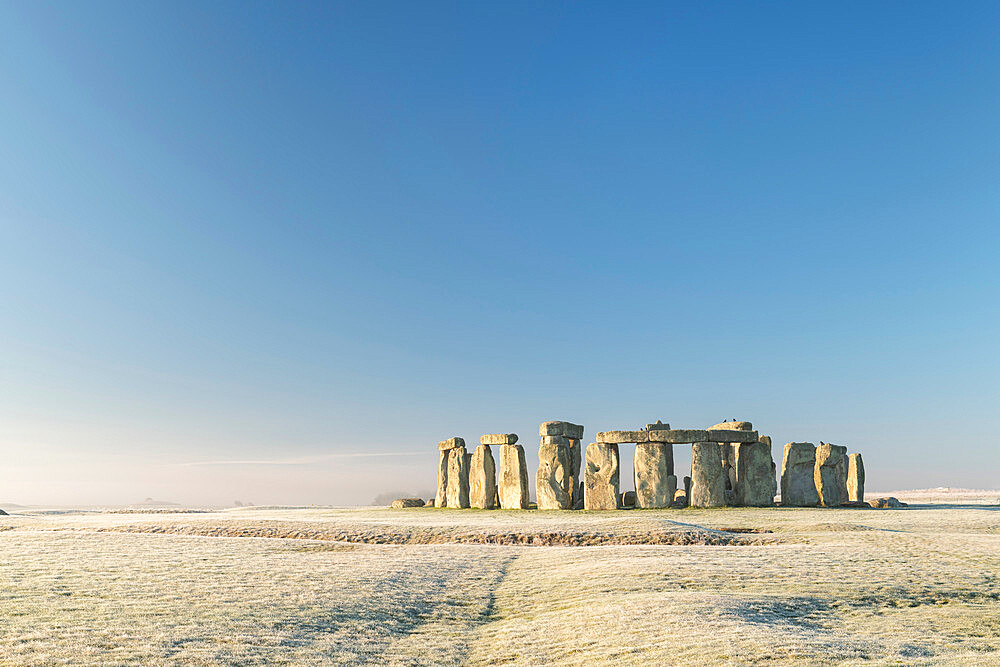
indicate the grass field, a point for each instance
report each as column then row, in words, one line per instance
column 917, row 586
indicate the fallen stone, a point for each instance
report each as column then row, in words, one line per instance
column 754, row 475
column 483, row 479
column 830, row 484
column 708, row 487
column 498, row 439
column 552, row 490
column 600, row 477
column 442, row 487
column 451, row 443
column 887, row 503
column 677, row 436
column 458, row 478
column 400, row 503
column 654, row 465
column 855, row 478
column 798, row 475
column 513, row 478
column 619, row 437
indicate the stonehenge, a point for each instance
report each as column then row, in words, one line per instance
column 708, row 486
column 483, row 478
column 731, row 465
column 855, row 478
column 654, row 468
column 512, row 486
column 830, row 474
column 558, row 465
column 798, row 483
column 600, row 479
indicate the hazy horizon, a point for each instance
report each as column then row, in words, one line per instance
column 275, row 253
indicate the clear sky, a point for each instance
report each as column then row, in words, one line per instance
column 276, row 251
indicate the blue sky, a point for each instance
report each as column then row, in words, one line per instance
column 305, row 242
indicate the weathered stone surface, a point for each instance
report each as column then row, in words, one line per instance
column 575, row 461
column 654, row 464
column 766, row 439
column 731, row 435
column 855, row 478
column 798, row 477
column 600, row 477
column 658, row 426
column 498, row 439
column 400, row 503
column 842, row 474
column 677, row 436
column 483, row 479
column 708, row 487
column 451, row 443
column 887, row 503
column 733, row 426
column 628, row 499
column 578, row 496
column 618, row 437
column 552, row 482
column 754, row 483
column 430, row 503
column 458, row 478
column 830, row 474
column 672, row 487
column 561, row 428
column 555, row 440
column 687, row 490
column 513, row 478
column 441, row 499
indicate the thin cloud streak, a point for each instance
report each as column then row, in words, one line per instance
column 301, row 460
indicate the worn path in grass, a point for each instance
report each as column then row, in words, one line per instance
column 826, row 586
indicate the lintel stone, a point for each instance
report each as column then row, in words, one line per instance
column 498, row 439
column 451, row 443
column 618, row 437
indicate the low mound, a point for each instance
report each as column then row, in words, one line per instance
column 444, row 535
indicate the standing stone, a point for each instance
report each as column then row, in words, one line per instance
column 842, row 474
column 440, row 500
column 552, row 482
column 578, row 496
column 483, row 479
column 575, row 461
column 687, row 490
column 600, row 477
column 754, row 484
column 672, row 488
column 458, row 478
column 513, row 485
column 708, row 485
column 798, row 478
column 654, row 464
column 855, row 478
column 831, row 484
